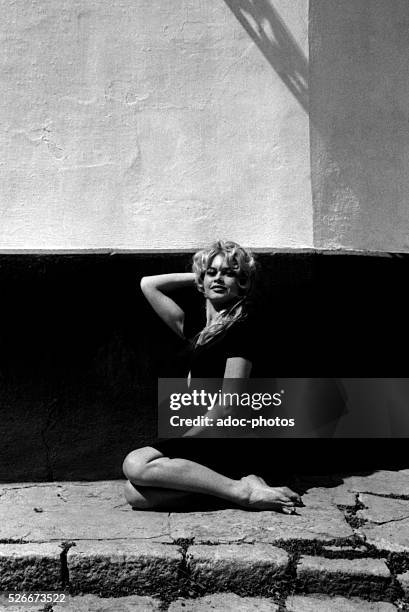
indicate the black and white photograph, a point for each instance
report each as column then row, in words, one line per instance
column 204, row 254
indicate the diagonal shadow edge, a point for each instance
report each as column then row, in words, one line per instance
column 267, row 29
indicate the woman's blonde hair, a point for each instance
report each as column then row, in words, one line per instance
column 238, row 258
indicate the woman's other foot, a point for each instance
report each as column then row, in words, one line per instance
column 258, row 495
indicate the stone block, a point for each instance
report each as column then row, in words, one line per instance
column 225, row 602
column 27, row 567
column 322, row 603
column 75, row 511
column 382, row 509
column 321, row 496
column 381, row 482
column 323, row 523
column 124, row 567
column 245, row 569
column 390, row 537
column 90, row 603
column 366, row 577
column 403, row 580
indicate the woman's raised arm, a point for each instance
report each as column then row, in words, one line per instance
column 156, row 288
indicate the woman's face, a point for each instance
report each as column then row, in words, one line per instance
column 220, row 284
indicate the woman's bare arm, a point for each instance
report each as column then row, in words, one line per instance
column 236, row 368
column 156, row 288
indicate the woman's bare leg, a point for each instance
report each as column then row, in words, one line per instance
column 144, row 498
column 147, row 467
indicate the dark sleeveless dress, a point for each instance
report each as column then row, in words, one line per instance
column 225, row 455
column 236, row 457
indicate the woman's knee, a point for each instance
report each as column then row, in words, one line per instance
column 135, row 463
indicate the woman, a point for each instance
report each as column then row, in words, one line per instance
column 168, row 473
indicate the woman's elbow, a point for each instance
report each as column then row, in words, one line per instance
column 145, row 283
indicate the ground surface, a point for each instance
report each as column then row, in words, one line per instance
column 347, row 550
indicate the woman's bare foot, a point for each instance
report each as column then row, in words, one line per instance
column 260, row 496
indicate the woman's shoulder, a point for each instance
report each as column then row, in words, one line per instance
column 248, row 325
column 252, row 339
column 242, row 337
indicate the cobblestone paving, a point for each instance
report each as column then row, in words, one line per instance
column 347, row 549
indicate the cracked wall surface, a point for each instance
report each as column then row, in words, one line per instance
column 153, row 125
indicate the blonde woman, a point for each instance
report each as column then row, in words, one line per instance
column 168, row 473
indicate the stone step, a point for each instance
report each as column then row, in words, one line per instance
column 119, row 567
column 301, row 603
column 84, row 538
column 221, row 602
column 364, row 577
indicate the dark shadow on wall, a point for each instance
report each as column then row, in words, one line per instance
column 359, row 88
column 81, row 350
column 267, row 29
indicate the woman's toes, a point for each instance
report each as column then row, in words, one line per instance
column 289, row 510
column 291, row 495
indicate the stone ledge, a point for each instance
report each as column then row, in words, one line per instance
column 381, row 482
column 125, row 552
column 380, row 510
column 302, row 603
column 220, row 602
column 353, row 577
column 90, row 603
column 245, row 569
column 390, row 537
column 27, row 567
column 91, row 510
column 224, row 602
column 125, row 567
column 322, row 523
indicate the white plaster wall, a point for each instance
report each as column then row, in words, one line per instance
column 152, row 124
